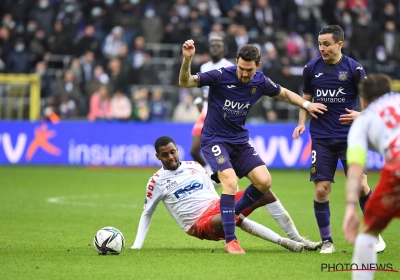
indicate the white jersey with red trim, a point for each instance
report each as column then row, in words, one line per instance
column 186, row 193
column 378, row 127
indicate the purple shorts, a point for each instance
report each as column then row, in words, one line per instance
column 325, row 154
column 241, row 157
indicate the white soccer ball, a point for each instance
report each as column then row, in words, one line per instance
column 109, row 240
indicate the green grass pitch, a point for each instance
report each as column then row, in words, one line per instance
column 49, row 216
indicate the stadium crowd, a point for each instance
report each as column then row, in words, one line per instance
column 120, row 59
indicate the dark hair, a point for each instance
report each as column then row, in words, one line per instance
column 249, row 53
column 163, row 141
column 335, row 30
column 374, row 86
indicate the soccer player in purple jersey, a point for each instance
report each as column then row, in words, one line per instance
column 331, row 79
column 224, row 138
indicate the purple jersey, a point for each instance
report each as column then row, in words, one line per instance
column 229, row 102
column 336, row 86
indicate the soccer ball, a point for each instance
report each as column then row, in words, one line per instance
column 109, row 240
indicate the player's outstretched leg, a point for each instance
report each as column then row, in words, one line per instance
column 282, row 217
column 265, row 233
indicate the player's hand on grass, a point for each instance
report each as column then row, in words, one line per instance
column 298, row 130
column 350, row 224
column 348, row 118
column 314, row 108
column 188, row 49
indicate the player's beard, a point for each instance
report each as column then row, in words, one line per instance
column 173, row 164
column 245, row 80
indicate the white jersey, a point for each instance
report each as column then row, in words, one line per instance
column 378, row 127
column 186, row 193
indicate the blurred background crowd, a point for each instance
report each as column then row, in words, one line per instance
column 120, row 59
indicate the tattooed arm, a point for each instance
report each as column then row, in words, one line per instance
column 186, row 79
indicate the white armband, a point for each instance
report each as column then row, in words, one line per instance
column 305, row 104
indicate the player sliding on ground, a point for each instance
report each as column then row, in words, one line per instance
column 191, row 199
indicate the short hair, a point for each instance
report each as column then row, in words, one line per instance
column 249, row 53
column 216, row 38
column 374, row 86
column 335, row 30
column 163, row 141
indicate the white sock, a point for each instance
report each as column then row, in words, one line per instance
column 260, row 231
column 282, row 217
column 208, row 169
column 364, row 253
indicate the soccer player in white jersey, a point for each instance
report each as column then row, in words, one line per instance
column 378, row 128
column 217, row 50
column 190, row 198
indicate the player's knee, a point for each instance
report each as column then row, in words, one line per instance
column 322, row 191
column 264, row 185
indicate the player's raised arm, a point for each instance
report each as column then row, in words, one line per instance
column 186, row 79
column 293, row 98
column 303, row 114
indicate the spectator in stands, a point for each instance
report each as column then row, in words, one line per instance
column 87, row 62
column 309, row 14
column 114, row 40
column 71, row 19
column 8, row 21
column 119, row 81
column 121, row 106
column 231, row 43
column 138, row 53
column 147, row 73
column 67, row 95
column 390, row 39
column 18, row 61
column 159, row 107
column 363, row 41
column 44, row 14
column 123, row 56
column 59, row 41
column 100, row 105
column 29, row 32
column 45, row 80
column 186, row 111
column 5, row 46
column 38, row 46
column 141, row 108
column 217, row 30
column 175, row 28
column 76, row 68
column 99, row 78
column 88, row 42
column 265, row 14
column 310, row 49
column 151, row 25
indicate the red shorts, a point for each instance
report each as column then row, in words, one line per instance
column 198, row 126
column 384, row 203
column 203, row 228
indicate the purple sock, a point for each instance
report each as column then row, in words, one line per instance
column 323, row 216
column 227, row 208
column 251, row 195
column 363, row 200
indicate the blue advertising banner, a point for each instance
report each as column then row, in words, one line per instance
column 131, row 144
